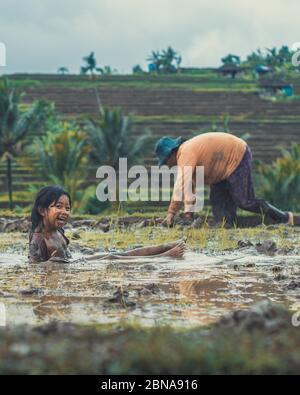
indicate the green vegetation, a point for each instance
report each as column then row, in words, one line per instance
column 14, row 127
column 109, row 350
column 111, row 138
column 185, row 79
column 63, row 70
column 90, row 65
column 276, row 58
column 137, row 69
column 231, row 59
column 166, row 61
column 63, row 155
column 66, row 151
column 179, row 82
column 280, row 181
column 212, row 240
column 23, row 84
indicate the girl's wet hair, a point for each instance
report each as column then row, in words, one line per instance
column 45, row 197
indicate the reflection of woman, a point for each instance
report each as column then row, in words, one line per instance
column 52, row 306
column 204, row 287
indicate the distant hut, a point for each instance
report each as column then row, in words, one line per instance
column 261, row 69
column 230, row 70
column 273, row 87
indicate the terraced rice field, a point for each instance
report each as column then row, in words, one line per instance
column 168, row 106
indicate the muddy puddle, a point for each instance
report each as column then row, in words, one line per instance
column 197, row 290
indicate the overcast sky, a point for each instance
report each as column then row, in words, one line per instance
column 42, row 35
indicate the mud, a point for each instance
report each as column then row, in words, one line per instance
column 259, row 340
column 223, row 270
column 105, row 224
column 265, row 316
column 198, row 290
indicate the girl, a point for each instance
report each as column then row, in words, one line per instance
column 47, row 241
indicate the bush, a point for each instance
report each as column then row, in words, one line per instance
column 94, row 207
column 279, row 182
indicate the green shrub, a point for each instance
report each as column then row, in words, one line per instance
column 279, row 182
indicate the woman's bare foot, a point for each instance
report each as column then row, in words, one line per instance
column 176, row 252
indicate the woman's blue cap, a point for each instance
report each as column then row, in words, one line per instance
column 164, row 148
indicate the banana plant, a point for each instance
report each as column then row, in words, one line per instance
column 111, row 137
column 15, row 126
column 279, row 182
column 90, row 65
column 63, row 154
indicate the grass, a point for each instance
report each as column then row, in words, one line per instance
column 26, row 83
column 200, row 81
column 205, row 238
column 205, row 82
column 218, row 240
column 215, row 119
column 286, row 99
column 18, row 196
column 191, row 86
column 103, row 349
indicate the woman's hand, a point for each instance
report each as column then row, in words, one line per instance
column 169, row 221
column 189, row 216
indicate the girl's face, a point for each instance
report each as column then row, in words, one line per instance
column 57, row 214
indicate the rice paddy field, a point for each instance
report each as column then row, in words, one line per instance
column 100, row 316
column 177, row 105
column 229, row 306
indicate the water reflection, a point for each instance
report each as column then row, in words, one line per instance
column 196, row 290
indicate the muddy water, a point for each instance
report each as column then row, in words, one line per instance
column 194, row 291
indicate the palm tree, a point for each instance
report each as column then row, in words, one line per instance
column 137, row 69
column 111, row 138
column 279, row 57
column 91, row 65
column 255, row 58
column 63, row 70
column 285, row 54
column 231, row 59
column 63, row 157
column 170, row 60
column 14, row 127
column 155, row 61
column 272, row 56
column 279, row 181
column 167, row 61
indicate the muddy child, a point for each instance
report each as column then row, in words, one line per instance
column 47, row 241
